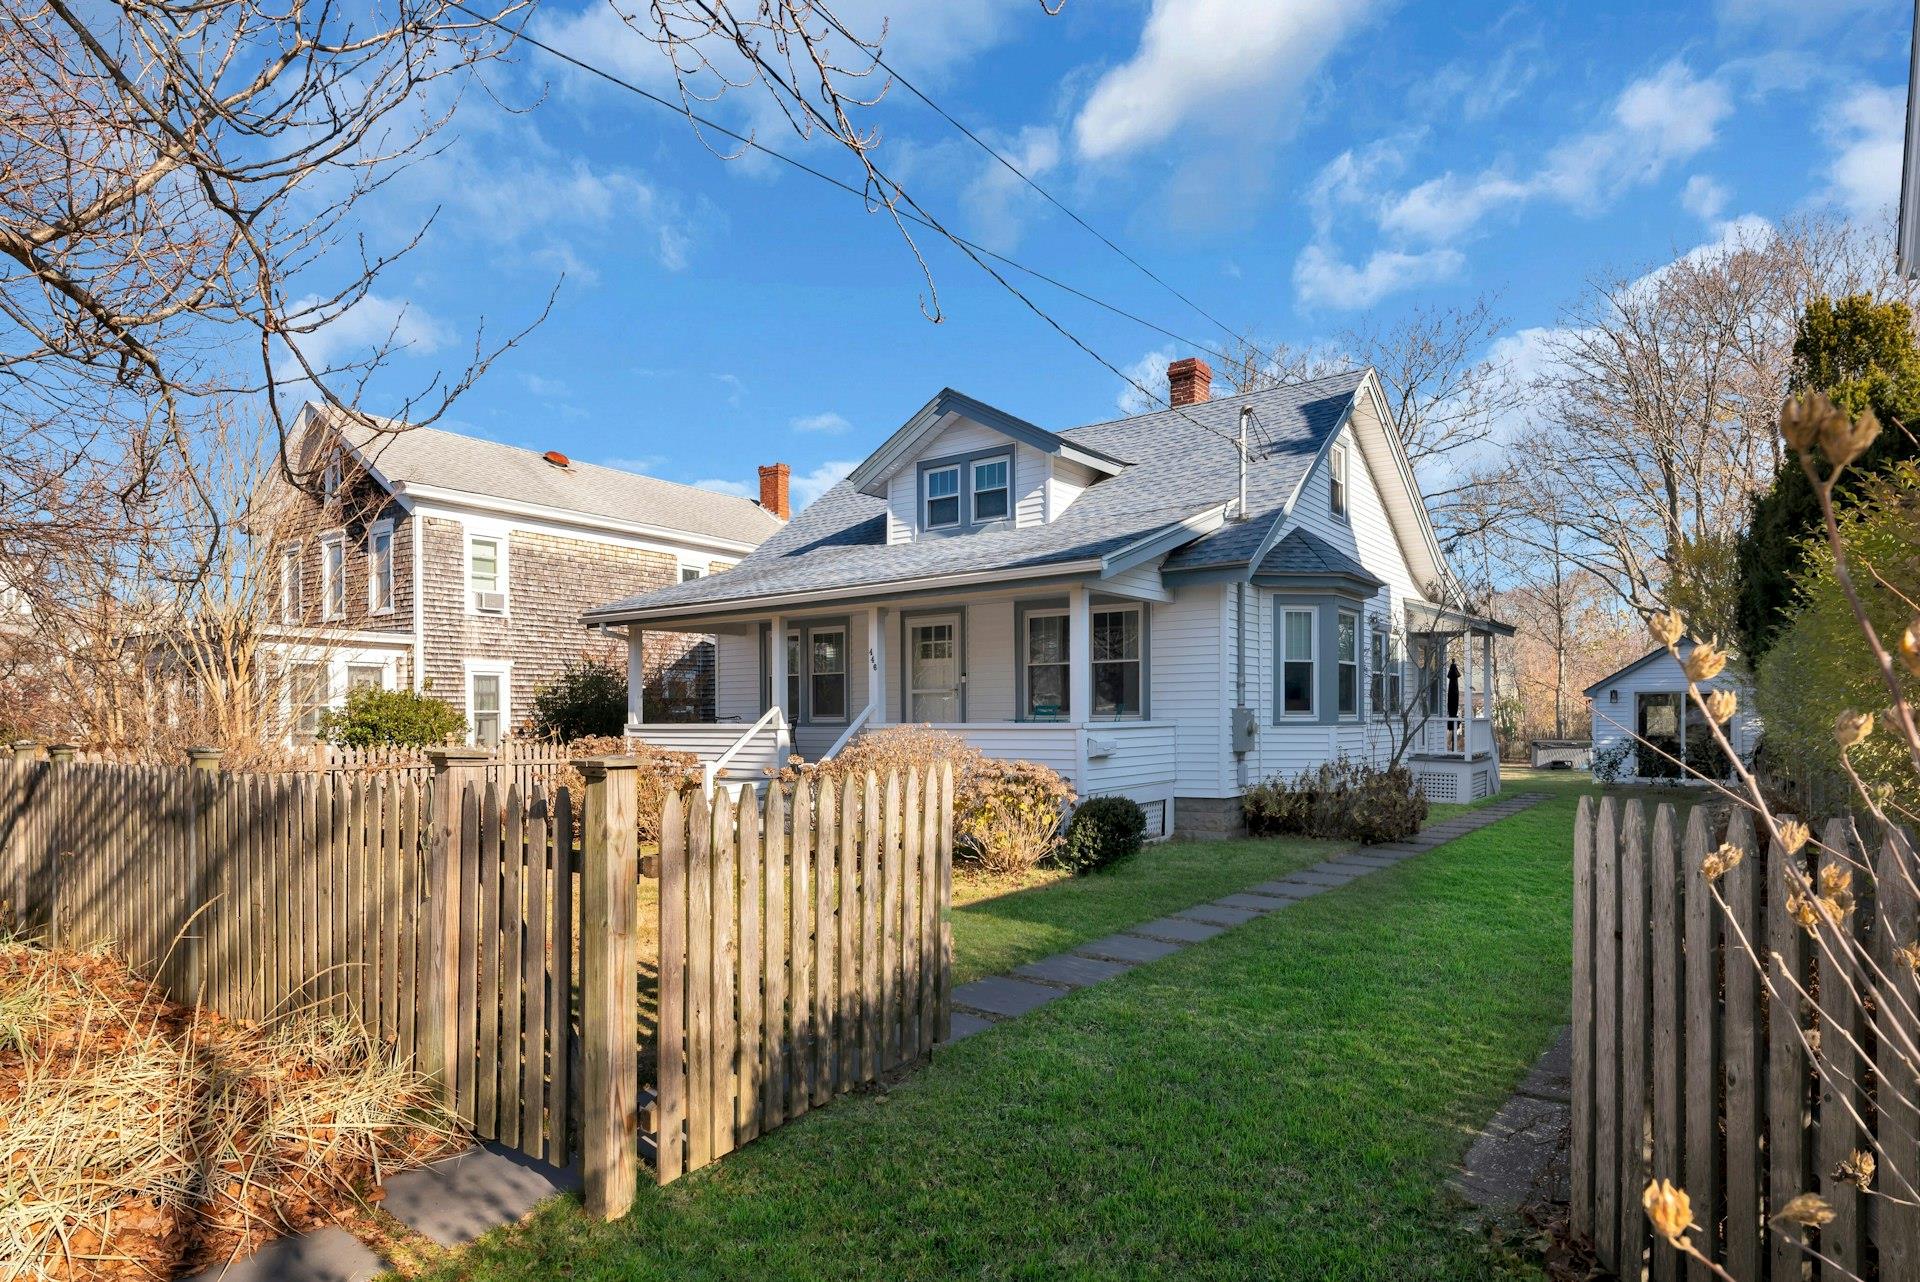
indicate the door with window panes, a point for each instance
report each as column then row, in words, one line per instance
column 933, row 672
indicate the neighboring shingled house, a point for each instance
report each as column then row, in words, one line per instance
column 1122, row 601
column 459, row 567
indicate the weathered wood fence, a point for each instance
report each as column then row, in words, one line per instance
column 1691, row 1064
column 803, row 938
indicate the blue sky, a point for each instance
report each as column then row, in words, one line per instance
column 1297, row 167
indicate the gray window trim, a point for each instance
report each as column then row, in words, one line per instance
column 1326, row 675
column 803, row 715
column 1359, row 662
column 1021, row 609
column 965, row 463
column 907, row 619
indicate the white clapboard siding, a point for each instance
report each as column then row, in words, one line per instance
column 1614, row 719
column 1030, row 473
column 736, row 677
column 1192, row 688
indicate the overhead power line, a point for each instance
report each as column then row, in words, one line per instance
column 1029, row 180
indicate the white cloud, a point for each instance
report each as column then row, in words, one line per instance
column 1704, row 197
column 1210, row 64
column 1321, row 276
column 830, row 423
column 541, row 385
column 374, row 324
column 1150, row 372
column 997, row 199
column 738, row 489
column 1866, row 129
column 635, row 463
column 808, row 486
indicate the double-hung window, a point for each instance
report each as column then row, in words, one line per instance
column 307, row 693
column 795, row 674
column 1337, row 477
column 943, row 497
column 290, row 602
column 992, row 489
column 1383, row 685
column 1346, row 657
column 1296, row 662
column 380, row 568
column 333, row 576
column 827, row 674
column 1043, row 652
column 486, row 576
column 1117, row 667
column 688, row 573
column 366, row 676
column 486, row 699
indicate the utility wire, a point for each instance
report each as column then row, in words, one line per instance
column 1017, row 172
column 680, row 109
column 915, row 213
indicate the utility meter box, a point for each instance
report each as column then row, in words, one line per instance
column 1246, row 730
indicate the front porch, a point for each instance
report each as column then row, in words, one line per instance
column 1006, row 671
column 1455, row 756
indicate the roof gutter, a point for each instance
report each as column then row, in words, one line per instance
column 782, row 600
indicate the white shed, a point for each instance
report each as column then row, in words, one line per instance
column 1642, row 712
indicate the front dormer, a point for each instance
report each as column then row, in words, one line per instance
column 961, row 467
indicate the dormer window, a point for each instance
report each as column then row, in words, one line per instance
column 992, row 490
column 943, row 497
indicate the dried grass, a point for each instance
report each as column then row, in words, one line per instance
column 141, row 1139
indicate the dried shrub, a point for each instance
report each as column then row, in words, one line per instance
column 661, row 772
column 1011, row 815
column 893, row 749
column 143, row 1139
column 1342, row 798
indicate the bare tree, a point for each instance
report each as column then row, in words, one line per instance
column 1446, row 391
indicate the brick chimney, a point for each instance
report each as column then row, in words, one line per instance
column 1189, row 381
column 773, row 489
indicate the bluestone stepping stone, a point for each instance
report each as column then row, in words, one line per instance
column 1326, row 876
column 1257, row 905
column 1187, row 932
column 456, row 1200
column 1000, row 995
column 1285, row 889
column 1216, row 914
column 966, row 1025
column 324, row 1255
column 1366, row 863
column 1075, row 972
column 1129, row 948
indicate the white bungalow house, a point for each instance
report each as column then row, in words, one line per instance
column 1113, row 600
column 1643, row 720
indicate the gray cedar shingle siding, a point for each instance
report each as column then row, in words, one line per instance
column 547, row 577
column 1183, row 463
column 362, row 504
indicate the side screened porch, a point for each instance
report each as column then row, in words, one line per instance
column 1061, row 675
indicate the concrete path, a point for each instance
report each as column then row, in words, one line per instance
column 985, row 1002
column 1521, row 1155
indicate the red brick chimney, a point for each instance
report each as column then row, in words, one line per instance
column 773, row 489
column 1189, row 381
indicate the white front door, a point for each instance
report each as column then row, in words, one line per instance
column 933, row 669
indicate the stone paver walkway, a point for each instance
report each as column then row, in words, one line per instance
column 1521, row 1156
column 985, row 1002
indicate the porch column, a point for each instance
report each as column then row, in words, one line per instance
column 1486, row 673
column 777, row 667
column 636, row 675
column 877, row 665
column 1079, row 654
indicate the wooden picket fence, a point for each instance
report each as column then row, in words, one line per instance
column 1689, row 1062
column 447, row 931
column 804, row 950
column 804, row 945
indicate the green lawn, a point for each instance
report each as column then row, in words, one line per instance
column 1283, row 1101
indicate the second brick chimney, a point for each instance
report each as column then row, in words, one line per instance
column 773, row 489
column 1189, row 381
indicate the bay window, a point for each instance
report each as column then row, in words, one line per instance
column 1296, row 662
column 1346, row 657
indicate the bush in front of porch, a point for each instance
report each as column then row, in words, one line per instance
column 1340, row 798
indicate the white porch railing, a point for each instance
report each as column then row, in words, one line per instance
column 846, row 736
column 755, row 750
column 1462, row 737
column 715, row 769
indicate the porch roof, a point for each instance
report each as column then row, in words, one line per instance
column 1443, row 620
column 1182, row 465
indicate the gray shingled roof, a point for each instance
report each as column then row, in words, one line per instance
column 1183, row 464
column 430, row 456
column 1302, row 552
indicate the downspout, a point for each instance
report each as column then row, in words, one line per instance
column 1240, row 677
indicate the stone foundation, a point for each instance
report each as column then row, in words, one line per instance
column 1208, row 817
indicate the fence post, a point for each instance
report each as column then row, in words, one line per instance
column 61, row 752
column 609, row 1018
column 438, row 1031
column 24, row 751
column 205, row 763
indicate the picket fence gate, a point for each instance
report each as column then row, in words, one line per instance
column 1689, row 1062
